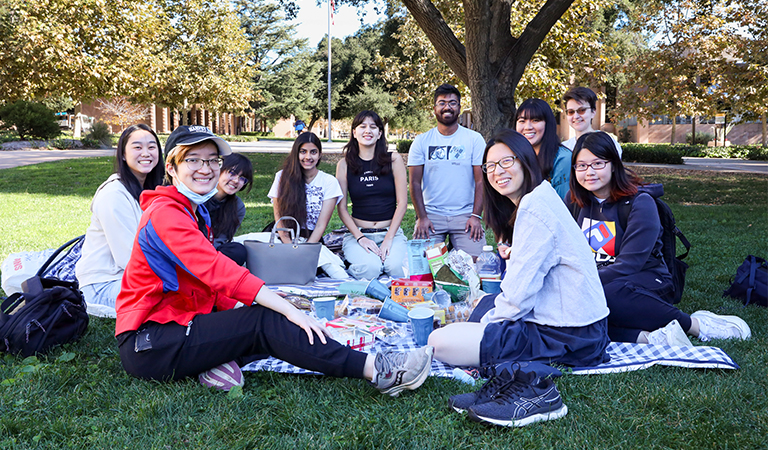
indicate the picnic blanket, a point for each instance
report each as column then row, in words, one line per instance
column 625, row 357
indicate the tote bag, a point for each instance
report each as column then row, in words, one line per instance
column 279, row 263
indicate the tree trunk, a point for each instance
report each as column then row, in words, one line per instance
column 493, row 61
column 693, row 131
column 672, row 139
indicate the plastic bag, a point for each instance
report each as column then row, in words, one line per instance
column 19, row 267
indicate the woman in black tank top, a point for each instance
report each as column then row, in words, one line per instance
column 375, row 180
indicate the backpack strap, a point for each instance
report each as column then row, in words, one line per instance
column 56, row 253
column 684, row 241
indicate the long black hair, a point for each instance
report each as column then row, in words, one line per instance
column 154, row 177
column 624, row 182
column 224, row 219
column 292, row 197
column 500, row 212
column 382, row 160
column 537, row 109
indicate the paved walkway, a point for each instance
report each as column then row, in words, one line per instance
column 14, row 158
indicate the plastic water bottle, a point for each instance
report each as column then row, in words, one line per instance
column 488, row 264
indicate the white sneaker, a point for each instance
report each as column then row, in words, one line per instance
column 672, row 335
column 714, row 326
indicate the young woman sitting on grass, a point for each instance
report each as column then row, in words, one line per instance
column 629, row 260
column 227, row 210
column 115, row 218
column 551, row 307
column 535, row 121
column 307, row 194
column 375, row 180
column 172, row 321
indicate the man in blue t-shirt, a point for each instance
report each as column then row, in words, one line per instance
column 446, row 181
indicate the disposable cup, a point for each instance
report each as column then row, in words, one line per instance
column 422, row 323
column 441, row 298
column 391, row 310
column 377, row 290
column 324, row 307
column 491, row 286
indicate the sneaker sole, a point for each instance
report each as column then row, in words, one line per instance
column 541, row 417
column 394, row 391
column 735, row 320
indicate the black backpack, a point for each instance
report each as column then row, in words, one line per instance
column 48, row 312
column 669, row 236
column 750, row 285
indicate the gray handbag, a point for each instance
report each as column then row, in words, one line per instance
column 279, row 263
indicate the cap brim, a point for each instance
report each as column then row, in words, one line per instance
column 223, row 146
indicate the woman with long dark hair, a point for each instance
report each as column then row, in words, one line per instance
column 627, row 252
column 166, row 325
column 115, row 218
column 551, row 306
column 534, row 120
column 307, row 194
column 375, row 181
column 227, row 210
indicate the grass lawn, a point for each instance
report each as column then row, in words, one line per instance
column 79, row 396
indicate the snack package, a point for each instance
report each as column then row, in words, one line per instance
column 392, row 333
column 418, row 266
column 352, row 337
column 458, row 312
column 357, row 304
column 436, row 257
column 409, row 291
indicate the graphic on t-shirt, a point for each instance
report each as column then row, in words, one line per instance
column 601, row 236
column 446, row 152
column 368, row 178
column 314, row 205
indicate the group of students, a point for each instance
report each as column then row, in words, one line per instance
column 163, row 254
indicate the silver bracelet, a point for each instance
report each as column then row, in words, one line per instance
column 479, row 217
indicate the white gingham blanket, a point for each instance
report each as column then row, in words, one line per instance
column 625, row 357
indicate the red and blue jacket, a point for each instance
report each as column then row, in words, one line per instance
column 174, row 272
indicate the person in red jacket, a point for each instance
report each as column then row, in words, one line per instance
column 176, row 311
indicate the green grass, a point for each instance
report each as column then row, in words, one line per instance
column 79, row 396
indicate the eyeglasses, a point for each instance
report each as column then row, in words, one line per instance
column 197, row 163
column 451, row 103
column 233, row 174
column 504, row 163
column 581, row 111
column 597, row 165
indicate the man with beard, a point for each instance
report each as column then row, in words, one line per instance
column 446, row 181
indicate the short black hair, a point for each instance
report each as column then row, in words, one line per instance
column 446, row 89
column 582, row 95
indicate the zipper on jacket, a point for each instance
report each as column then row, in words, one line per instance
column 189, row 326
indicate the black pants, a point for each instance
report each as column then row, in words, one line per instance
column 239, row 334
column 636, row 305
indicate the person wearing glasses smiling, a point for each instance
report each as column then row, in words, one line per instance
column 446, row 182
column 175, row 312
column 580, row 106
column 627, row 252
column 551, row 307
column 227, row 210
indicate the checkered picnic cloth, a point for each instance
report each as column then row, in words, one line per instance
column 625, row 357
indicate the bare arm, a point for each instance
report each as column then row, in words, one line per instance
column 474, row 225
column 423, row 225
column 401, row 196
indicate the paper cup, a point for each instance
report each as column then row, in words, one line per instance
column 491, row 286
column 324, row 307
column 422, row 323
column 391, row 310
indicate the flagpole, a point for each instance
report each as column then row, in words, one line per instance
column 329, row 71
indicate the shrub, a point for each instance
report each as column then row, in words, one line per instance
column 63, row 144
column 701, row 138
column 30, row 119
column 404, row 145
column 90, row 143
column 100, row 133
column 625, row 135
column 651, row 153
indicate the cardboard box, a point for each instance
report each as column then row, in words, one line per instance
column 409, row 291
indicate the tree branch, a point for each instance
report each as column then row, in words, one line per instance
column 450, row 49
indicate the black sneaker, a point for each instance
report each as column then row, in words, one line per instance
column 397, row 371
column 486, row 393
column 525, row 400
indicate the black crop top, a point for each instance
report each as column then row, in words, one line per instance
column 373, row 196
